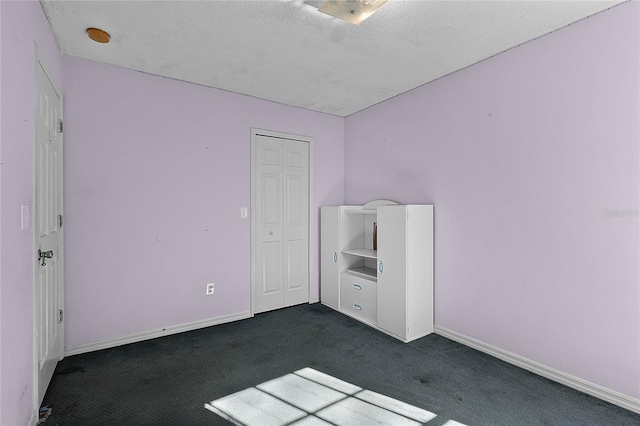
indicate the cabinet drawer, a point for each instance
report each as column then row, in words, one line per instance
column 358, row 287
column 358, row 307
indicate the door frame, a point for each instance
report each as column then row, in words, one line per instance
column 40, row 61
column 312, row 240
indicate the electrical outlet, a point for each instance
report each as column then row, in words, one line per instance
column 210, row 289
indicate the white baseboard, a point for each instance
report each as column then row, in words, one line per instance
column 139, row 337
column 33, row 421
column 589, row 388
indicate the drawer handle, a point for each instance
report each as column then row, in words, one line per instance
column 357, row 286
column 380, row 267
column 335, row 257
column 358, row 307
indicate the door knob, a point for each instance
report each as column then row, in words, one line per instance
column 43, row 255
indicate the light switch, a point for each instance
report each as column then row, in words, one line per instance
column 244, row 212
column 25, row 215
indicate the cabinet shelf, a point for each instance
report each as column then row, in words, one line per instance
column 362, row 252
column 364, row 272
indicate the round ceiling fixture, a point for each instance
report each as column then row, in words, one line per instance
column 96, row 34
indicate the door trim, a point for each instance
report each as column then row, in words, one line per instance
column 312, row 239
column 39, row 60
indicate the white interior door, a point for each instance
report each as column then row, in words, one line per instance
column 48, row 231
column 280, row 217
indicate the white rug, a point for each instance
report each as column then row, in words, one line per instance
column 308, row 397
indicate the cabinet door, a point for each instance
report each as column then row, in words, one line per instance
column 329, row 255
column 392, row 272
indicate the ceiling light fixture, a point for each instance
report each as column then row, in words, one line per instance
column 96, row 34
column 352, row 11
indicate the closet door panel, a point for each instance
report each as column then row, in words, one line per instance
column 296, row 222
column 268, row 232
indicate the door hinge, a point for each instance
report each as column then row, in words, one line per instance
column 60, row 221
column 60, row 316
column 60, row 125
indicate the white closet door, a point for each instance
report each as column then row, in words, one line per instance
column 268, row 220
column 296, row 221
column 392, row 272
column 281, row 252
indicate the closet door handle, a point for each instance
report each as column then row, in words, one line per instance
column 335, row 257
column 380, row 267
column 357, row 286
column 358, row 307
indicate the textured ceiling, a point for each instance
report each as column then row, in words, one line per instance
column 288, row 52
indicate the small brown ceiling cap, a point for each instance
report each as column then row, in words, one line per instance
column 96, row 34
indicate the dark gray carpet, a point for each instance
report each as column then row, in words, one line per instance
column 166, row 381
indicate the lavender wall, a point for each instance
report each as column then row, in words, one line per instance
column 147, row 155
column 521, row 156
column 22, row 24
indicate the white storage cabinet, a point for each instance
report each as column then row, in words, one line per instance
column 390, row 288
